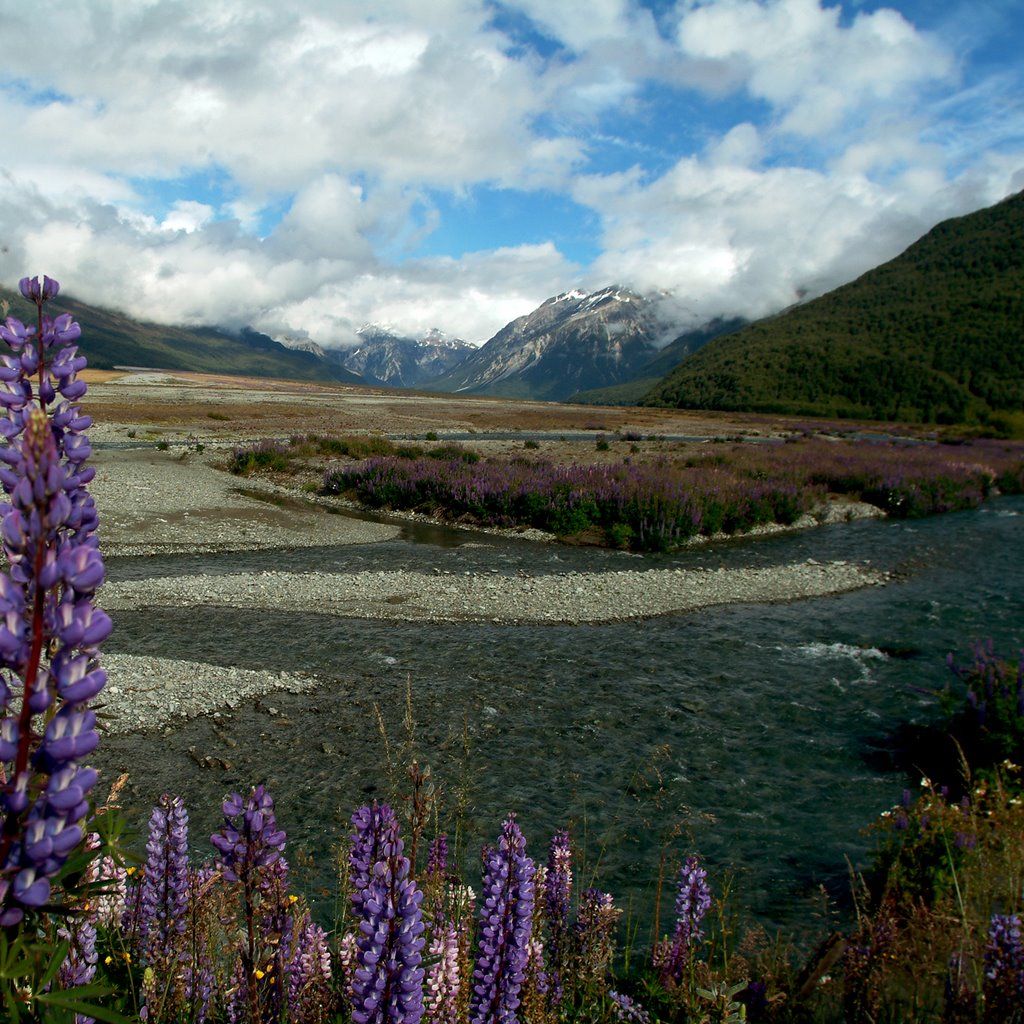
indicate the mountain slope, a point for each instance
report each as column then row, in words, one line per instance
column 572, row 342
column 667, row 359
column 111, row 339
column 397, row 361
column 933, row 335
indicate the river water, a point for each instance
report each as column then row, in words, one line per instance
column 754, row 735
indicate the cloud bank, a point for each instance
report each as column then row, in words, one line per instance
column 293, row 169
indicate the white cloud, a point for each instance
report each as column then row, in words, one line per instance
column 187, row 215
column 275, row 95
column 726, row 238
column 472, row 297
column 255, row 162
column 741, row 146
column 796, row 55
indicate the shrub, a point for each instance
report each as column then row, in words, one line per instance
column 453, row 453
column 266, row 455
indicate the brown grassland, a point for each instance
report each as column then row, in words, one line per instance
column 236, row 409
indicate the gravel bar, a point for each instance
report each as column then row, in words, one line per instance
column 571, row 597
column 143, row 694
column 153, row 502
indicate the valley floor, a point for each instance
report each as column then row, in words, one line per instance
column 176, row 499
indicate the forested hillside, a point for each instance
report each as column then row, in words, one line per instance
column 934, row 335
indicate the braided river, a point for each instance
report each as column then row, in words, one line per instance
column 754, row 735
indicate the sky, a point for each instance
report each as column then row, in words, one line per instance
column 307, row 168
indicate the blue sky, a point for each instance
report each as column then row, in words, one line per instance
column 310, row 167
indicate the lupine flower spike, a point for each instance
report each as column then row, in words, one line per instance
column 692, row 903
column 250, row 844
column 165, row 881
column 387, row 984
column 595, row 935
column 506, row 921
column 1004, row 968
column 50, row 628
column 557, row 895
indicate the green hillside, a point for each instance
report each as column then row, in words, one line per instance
column 112, row 339
column 934, row 335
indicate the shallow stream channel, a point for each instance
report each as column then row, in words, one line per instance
column 755, row 735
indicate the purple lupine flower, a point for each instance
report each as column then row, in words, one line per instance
column 347, row 952
column 506, row 922
column 238, row 995
column 387, row 985
column 308, row 973
column 440, row 998
column 79, row 967
column 275, row 927
column 558, row 882
column 537, row 978
column 437, row 858
column 165, row 883
column 693, row 901
column 47, row 530
column 198, row 976
column 249, row 839
column 627, row 1010
column 1004, row 968
column 557, row 896
column 436, row 887
column 249, row 844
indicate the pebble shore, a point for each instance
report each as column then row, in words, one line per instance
column 166, row 502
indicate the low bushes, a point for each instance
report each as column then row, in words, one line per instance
column 657, row 506
column 651, row 508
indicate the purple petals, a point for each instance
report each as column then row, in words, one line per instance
column 31, row 290
column 387, row 982
column 82, row 568
column 69, row 788
column 254, row 841
column 78, row 680
column 505, row 928
column 165, row 883
column 82, row 624
column 70, row 736
column 693, row 900
column 29, row 889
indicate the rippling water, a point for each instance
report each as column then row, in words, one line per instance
column 750, row 734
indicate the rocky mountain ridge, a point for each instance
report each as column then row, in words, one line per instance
column 572, row 342
column 395, row 360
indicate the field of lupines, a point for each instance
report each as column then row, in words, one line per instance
column 656, row 506
column 88, row 932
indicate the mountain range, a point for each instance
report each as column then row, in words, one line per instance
column 387, row 358
column 933, row 335
column 111, row 339
column 570, row 343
